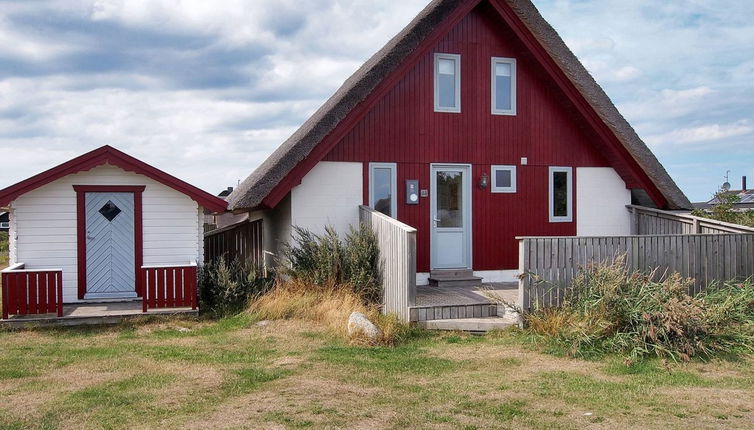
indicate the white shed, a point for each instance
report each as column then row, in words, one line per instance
column 103, row 227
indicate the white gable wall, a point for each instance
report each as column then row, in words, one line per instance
column 601, row 199
column 44, row 224
column 330, row 194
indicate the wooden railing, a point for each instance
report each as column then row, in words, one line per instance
column 172, row 286
column 31, row 292
column 397, row 243
column 242, row 241
column 649, row 221
column 549, row 264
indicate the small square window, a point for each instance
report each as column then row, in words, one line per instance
column 447, row 83
column 503, row 179
column 503, row 86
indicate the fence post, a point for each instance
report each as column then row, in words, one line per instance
column 523, row 285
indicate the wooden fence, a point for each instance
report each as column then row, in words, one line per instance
column 648, row 221
column 549, row 264
column 31, row 292
column 397, row 243
column 241, row 241
column 169, row 287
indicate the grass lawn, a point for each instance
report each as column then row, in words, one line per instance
column 290, row 374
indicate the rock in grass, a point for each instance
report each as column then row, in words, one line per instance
column 359, row 325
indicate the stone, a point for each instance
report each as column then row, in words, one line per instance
column 359, row 324
column 263, row 323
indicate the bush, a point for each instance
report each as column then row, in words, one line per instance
column 725, row 210
column 612, row 310
column 325, row 261
column 227, row 288
column 3, row 248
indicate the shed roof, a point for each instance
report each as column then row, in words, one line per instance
column 253, row 191
column 109, row 155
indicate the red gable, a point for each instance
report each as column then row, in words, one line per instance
column 110, row 155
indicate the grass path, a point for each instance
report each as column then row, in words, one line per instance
column 290, row 374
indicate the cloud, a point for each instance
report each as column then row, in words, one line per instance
column 703, row 134
column 207, row 92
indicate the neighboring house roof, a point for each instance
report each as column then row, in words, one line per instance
column 273, row 175
column 746, row 200
column 110, row 155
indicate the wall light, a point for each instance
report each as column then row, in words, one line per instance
column 484, row 181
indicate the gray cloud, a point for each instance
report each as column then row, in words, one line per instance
column 207, row 92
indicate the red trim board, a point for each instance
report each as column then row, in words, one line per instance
column 81, row 191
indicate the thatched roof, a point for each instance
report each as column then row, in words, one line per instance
column 252, row 191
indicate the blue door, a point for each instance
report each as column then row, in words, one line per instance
column 110, row 247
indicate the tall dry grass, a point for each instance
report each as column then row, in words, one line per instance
column 610, row 309
column 328, row 305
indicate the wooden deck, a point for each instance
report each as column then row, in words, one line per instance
column 447, row 296
column 471, row 308
column 94, row 313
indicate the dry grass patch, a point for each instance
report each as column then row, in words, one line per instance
column 328, row 306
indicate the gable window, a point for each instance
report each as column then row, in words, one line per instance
column 447, row 83
column 561, row 194
column 503, row 179
column 503, row 86
column 4, row 225
column 382, row 188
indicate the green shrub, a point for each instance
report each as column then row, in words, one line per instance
column 326, row 261
column 724, row 210
column 3, row 248
column 227, row 288
column 612, row 310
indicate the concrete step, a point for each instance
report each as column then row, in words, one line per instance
column 454, row 278
column 451, row 273
column 472, row 281
column 469, row 324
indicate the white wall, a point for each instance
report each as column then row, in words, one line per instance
column 45, row 224
column 601, row 199
column 330, row 194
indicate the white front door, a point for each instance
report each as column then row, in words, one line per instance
column 110, row 271
column 450, row 211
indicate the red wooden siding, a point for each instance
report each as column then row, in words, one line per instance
column 32, row 293
column 403, row 128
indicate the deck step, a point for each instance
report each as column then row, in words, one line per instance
column 447, row 312
column 469, row 324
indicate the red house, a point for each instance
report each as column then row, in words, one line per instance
column 475, row 124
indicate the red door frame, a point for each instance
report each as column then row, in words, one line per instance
column 81, row 191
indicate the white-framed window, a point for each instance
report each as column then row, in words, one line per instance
column 561, row 194
column 4, row 225
column 383, row 188
column 503, row 179
column 503, row 86
column 447, row 83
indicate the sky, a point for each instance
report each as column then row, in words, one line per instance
column 206, row 93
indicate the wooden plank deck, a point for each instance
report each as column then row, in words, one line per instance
column 94, row 313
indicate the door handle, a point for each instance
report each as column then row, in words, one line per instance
column 435, row 220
